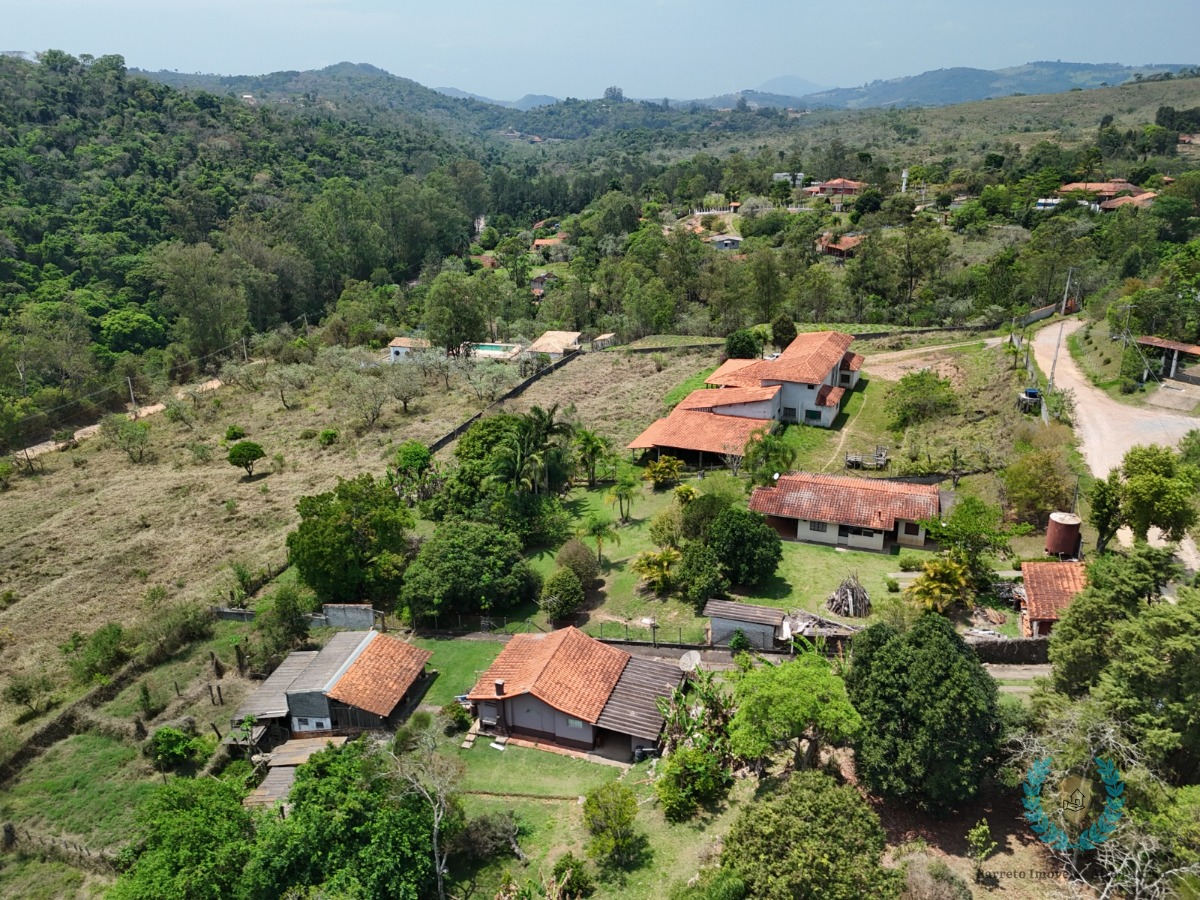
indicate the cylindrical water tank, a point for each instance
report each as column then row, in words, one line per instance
column 1062, row 534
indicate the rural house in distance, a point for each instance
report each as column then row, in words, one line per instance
column 565, row 688
column 1049, row 589
column 806, row 383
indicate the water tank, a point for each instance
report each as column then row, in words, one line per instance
column 1062, row 535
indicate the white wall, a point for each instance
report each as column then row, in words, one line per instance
column 530, row 713
column 313, row 724
column 760, row 409
column 909, row 540
column 805, row 532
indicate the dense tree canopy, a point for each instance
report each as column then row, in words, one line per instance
column 352, row 542
column 930, row 724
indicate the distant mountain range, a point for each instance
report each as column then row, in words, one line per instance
column 529, row 101
column 943, row 87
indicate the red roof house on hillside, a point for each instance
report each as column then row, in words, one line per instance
column 568, row 689
column 844, row 509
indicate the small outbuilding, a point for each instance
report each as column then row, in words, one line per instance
column 1049, row 589
column 401, row 347
column 763, row 626
column 555, row 344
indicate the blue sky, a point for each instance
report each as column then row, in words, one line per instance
column 650, row 48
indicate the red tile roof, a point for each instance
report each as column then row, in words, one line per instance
column 727, row 374
column 565, row 669
column 688, row 429
column 1164, row 344
column 844, row 243
column 1100, row 188
column 381, row 675
column 411, row 343
column 709, row 399
column 1141, row 201
column 829, row 395
column 1050, row 587
column 852, row 362
column 847, row 500
column 807, row 360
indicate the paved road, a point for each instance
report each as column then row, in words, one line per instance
column 1106, row 428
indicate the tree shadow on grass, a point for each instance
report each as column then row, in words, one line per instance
column 776, row 588
column 639, row 855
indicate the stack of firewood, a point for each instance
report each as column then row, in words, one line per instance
column 850, row 599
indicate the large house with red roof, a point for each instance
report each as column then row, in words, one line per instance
column 567, row 689
column 806, row 383
column 838, row 187
column 866, row 513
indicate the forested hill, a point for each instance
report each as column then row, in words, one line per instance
column 943, row 87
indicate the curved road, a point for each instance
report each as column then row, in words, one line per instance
column 1106, row 428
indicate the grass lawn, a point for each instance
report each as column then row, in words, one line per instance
column 459, row 664
column 87, row 786
column 518, row 770
column 32, row 878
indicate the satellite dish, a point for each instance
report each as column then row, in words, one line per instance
column 775, row 476
column 689, row 661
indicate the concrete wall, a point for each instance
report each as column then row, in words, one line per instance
column 832, row 535
column 909, row 540
column 874, row 541
column 350, row 616
column 761, row 636
column 761, row 409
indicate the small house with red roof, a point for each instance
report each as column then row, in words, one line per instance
column 838, row 187
column 567, row 689
column 841, row 247
column 866, row 513
column 1049, row 589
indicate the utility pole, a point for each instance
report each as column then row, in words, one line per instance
column 245, row 352
column 1054, row 364
column 132, row 398
column 1066, row 290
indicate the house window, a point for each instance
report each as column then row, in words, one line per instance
column 574, row 723
column 819, row 527
column 812, row 415
column 845, row 378
column 789, row 412
column 912, row 528
column 303, row 721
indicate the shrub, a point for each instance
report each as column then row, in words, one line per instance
column 562, row 593
column 748, row 548
column 919, row 397
column 572, row 876
column 609, row 812
column 741, row 345
column 699, row 575
column 201, row 453
column 172, row 748
column 893, row 586
column 666, row 527
column 691, row 777
column 99, row 655
column 308, row 434
column 576, row 556
column 664, row 472
column 328, row 437
column 739, row 643
column 235, row 433
column 6, row 474
column 458, row 717
column 700, row 513
column 911, row 562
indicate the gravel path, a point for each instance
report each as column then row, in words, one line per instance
column 1107, row 428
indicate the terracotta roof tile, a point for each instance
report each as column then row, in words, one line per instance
column 411, row 343
column 565, row 669
column 709, row 398
column 807, row 360
column 381, row 675
column 852, row 362
column 555, row 342
column 1050, row 587
column 687, row 429
column 847, row 500
column 727, row 374
column 830, row 396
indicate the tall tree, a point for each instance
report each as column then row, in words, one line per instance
column 203, row 293
column 453, row 315
column 931, row 725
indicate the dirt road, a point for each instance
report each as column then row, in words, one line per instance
column 1106, row 428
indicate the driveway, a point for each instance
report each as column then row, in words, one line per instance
column 1106, row 428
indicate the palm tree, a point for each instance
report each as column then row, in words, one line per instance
column 600, row 530
column 766, row 454
column 543, row 428
column 622, row 494
column 655, row 568
column 944, row 582
column 592, row 448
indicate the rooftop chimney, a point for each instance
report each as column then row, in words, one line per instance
column 499, row 687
